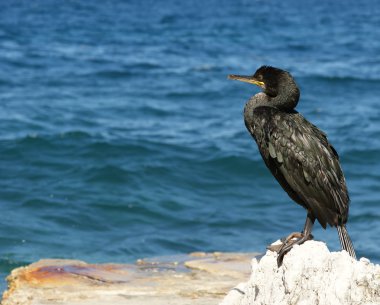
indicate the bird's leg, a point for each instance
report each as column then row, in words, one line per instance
column 284, row 241
column 296, row 238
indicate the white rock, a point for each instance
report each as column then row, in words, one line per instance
column 310, row 274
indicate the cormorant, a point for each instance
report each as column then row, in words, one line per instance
column 298, row 155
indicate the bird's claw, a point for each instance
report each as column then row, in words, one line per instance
column 295, row 238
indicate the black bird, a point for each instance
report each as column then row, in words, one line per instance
column 298, row 155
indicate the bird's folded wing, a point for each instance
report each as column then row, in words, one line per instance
column 309, row 164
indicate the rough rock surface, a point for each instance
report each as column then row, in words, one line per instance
column 196, row 279
column 310, row 274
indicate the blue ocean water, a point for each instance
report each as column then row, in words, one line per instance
column 121, row 137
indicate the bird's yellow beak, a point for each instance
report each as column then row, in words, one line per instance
column 247, row 79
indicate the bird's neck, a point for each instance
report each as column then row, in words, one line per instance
column 260, row 99
column 286, row 101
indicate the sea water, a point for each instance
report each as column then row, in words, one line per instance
column 121, row 137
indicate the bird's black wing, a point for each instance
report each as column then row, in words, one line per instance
column 301, row 158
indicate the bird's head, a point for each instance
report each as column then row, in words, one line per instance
column 276, row 84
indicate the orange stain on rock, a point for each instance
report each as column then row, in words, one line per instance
column 49, row 276
column 73, row 274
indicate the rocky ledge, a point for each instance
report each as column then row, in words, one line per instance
column 196, row 279
column 310, row 275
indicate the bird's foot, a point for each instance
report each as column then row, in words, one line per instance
column 278, row 245
column 295, row 238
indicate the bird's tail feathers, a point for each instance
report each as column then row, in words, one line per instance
column 345, row 240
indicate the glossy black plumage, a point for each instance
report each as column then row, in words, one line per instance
column 296, row 152
column 304, row 163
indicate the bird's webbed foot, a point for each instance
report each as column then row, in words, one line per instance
column 295, row 238
column 278, row 245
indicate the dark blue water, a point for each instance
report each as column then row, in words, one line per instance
column 121, row 137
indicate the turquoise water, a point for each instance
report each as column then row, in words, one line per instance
column 121, row 137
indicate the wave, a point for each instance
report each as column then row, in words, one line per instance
column 111, row 74
column 7, row 264
column 48, row 139
column 109, row 174
column 362, row 156
column 236, row 164
column 332, row 78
